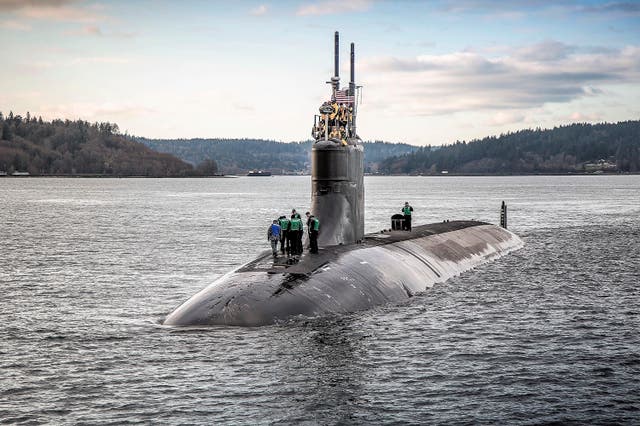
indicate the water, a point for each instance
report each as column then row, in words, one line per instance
column 89, row 268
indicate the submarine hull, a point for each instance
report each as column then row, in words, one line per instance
column 385, row 268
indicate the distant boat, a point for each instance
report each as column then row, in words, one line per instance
column 20, row 174
column 3, row 173
column 258, row 173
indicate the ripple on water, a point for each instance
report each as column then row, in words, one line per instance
column 547, row 334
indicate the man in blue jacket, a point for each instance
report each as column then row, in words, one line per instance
column 273, row 236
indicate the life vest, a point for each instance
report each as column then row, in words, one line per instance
column 295, row 224
column 315, row 225
column 406, row 210
column 284, row 223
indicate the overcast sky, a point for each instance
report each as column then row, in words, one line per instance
column 433, row 71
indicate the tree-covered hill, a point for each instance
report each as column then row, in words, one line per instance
column 29, row 144
column 241, row 155
column 576, row 148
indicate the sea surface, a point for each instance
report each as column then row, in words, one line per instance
column 90, row 267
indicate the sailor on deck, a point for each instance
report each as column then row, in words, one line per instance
column 273, row 236
column 314, row 228
column 295, row 233
column 285, row 243
column 406, row 210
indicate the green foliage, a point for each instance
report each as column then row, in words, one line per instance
column 78, row 147
column 207, row 168
column 575, row 148
column 242, row 155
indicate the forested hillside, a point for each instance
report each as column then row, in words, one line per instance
column 241, row 155
column 29, row 144
column 78, row 147
column 576, row 148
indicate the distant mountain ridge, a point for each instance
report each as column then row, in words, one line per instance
column 242, row 155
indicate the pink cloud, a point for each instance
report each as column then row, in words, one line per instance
column 52, row 10
column 580, row 117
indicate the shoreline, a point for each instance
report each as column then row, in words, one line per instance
column 98, row 176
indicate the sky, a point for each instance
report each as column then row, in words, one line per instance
column 433, row 72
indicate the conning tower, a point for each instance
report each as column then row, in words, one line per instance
column 337, row 163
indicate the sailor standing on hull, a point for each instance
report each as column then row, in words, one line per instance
column 295, row 233
column 314, row 227
column 406, row 210
column 273, row 236
column 285, row 242
column 308, row 215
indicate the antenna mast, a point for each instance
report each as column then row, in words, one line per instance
column 352, row 90
column 335, row 80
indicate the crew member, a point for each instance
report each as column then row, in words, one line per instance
column 284, row 237
column 334, row 114
column 318, row 132
column 406, row 210
column 273, row 236
column 343, row 115
column 314, row 228
column 308, row 215
column 295, row 234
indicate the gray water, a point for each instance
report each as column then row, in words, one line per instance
column 90, row 267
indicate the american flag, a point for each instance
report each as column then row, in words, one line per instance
column 342, row 97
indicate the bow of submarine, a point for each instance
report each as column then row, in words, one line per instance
column 255, row 294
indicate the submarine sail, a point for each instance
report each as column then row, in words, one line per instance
column 337, row 164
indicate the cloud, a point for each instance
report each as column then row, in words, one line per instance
column 12, row 5
column 92, row 30
column 625, row 8
column 96, row 31
column 15, row 25
column 521, row 79
column 546, row 51
column 93, row 111
column 500, row 7
column 259, row 10
column 100, row 60
column 51, row 10
column 579, row 117
column 332, row 7
column 501, row 118
column 459, row 62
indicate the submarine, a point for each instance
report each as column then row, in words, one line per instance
column 352, row 271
